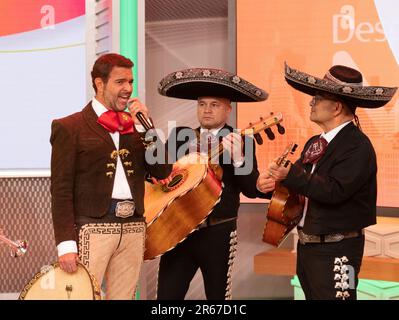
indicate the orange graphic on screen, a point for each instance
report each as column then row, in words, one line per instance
column 18, row 16
column 311, row 36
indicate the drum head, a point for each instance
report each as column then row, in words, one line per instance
column 52, row 283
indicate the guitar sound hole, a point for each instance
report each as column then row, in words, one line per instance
column 175, row 181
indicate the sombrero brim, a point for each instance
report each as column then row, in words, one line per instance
column 361, row 96
column 194, row 83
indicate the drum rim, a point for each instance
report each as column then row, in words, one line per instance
column 94, row 284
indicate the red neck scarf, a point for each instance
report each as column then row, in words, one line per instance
column 116, row 121
column 315, row 151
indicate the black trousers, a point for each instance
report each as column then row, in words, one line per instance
column 329, row 271
column 211, row 249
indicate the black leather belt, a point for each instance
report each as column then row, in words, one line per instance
column 325, row 238
column 212, row 221
column 119, row 211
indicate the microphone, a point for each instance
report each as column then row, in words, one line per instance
column 146, row 123
column 148, row 141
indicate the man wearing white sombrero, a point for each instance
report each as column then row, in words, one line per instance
column 337, row 174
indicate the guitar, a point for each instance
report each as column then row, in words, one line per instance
column 175, row 210
column 17, row 248
column 285, row 208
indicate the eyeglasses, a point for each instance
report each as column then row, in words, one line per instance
column 317, row 98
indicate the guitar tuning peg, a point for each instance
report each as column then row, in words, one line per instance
column 258, row 138
column 270, row 134
column 294, row 148
column 280, row 129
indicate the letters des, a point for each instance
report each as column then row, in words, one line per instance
column 345, row 28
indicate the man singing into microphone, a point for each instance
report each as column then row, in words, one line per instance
column 97, row 181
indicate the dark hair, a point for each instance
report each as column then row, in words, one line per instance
column 352, row 107
column 104, row 64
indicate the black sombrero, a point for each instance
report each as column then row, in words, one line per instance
column 344, row 82
column 200, row 82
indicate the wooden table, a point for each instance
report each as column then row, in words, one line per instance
column 282, row 262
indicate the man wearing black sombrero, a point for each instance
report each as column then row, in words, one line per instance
column 211, row 248
column 337, row 174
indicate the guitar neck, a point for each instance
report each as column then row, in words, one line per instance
column 280, row 160
column 290, row 149
column 214, row 153
column 217, row 151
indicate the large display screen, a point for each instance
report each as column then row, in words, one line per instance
column 42, row 75
column 313, row 35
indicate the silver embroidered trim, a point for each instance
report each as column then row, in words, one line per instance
column 370, row 93
column 341, row 277
column 211, row 75
column 233, row 243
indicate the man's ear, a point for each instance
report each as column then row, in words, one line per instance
column 99, row 84
column 339, row 107
column 228, row 111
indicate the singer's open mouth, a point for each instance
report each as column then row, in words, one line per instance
column 124, row 99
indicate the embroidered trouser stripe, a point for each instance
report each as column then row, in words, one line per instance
column 113, row 252
column 233, row 244
column 210, row 249
column 329, row 271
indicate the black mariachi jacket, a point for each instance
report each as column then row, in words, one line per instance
column 342, row 191
column 233, row 184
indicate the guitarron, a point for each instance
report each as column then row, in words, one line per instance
column 285, row 208
column 175, row 210
column 52, row 283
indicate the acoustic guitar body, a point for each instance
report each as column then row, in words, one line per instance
column 284, row 213
column 172, row 212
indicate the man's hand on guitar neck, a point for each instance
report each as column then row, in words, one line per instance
column 278, row 173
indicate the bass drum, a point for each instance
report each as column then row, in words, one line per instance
column 52, row 283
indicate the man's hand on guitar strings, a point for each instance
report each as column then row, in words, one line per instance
column 165, row 181
column 265, row 183
column 234, row 145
